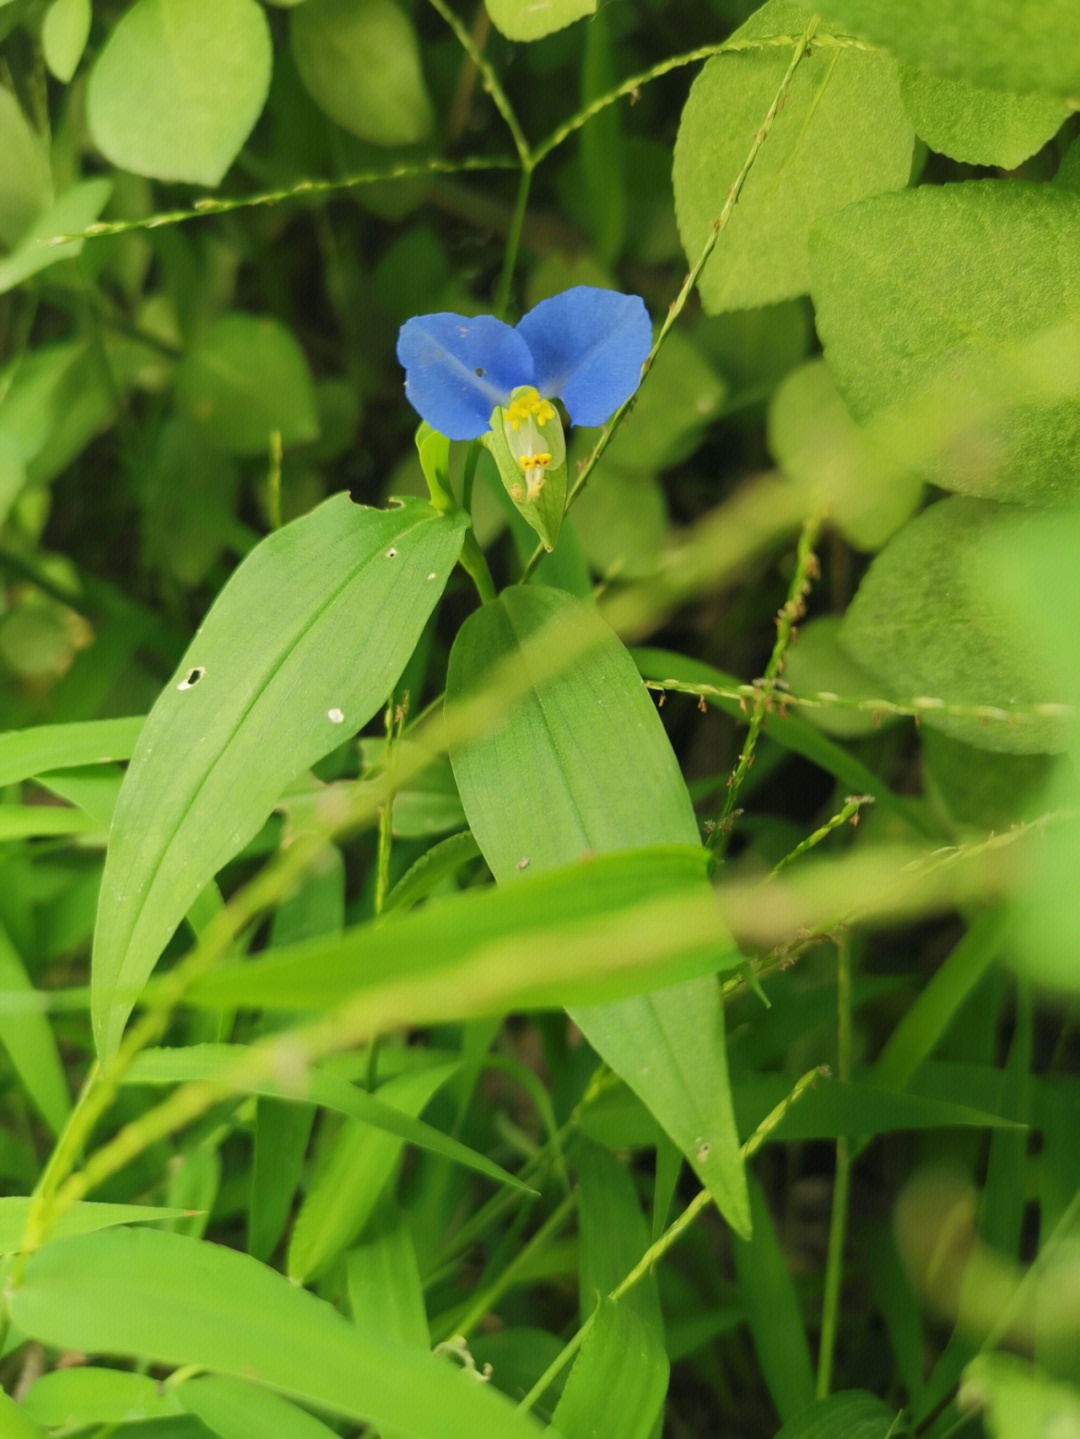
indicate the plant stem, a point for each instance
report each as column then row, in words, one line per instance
column 806, row 570
column 474, row 564
column 834, row 1265
column 513, row 242
column 715, row 231
column 655, row 1252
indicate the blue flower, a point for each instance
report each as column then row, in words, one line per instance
column 584, row 347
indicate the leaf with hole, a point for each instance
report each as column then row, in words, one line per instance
column 275, row 678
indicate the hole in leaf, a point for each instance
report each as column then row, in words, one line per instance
column 192, row 678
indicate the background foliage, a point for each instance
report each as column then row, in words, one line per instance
column 449, row 969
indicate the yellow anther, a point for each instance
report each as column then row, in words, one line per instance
column 528, row 462
column 529, row 406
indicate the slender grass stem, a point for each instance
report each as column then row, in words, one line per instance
column 655, row 1252
column 834, row 1264
column 715, row 231
column 806, row 570
column 489, row 79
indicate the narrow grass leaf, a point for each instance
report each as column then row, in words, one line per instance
column 30, row 1044
column 850, row 1414
column 609, row 924
column 772, row 1307
column 90, row 1395
column 272, row 682
column 617, row 1386
column 211, row 1062
column 172, row 1300
column 386, row 1294
column 15, row 1422
column 82, row 1218
column 235, row 1410
column 355, row 1173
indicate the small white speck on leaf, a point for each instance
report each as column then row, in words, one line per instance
column 433, row 576
column 523, row 863
column 335, row 716
column 391, row 554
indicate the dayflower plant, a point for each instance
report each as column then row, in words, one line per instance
column 477, row 377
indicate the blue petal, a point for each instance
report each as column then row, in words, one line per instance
column 457, row 370
column 588, row 346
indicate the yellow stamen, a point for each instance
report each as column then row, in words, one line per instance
column 529, row 406
column 527, row 462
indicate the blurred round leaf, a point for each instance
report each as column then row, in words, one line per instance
column 978, row 787
column 246, row 378
column 953, row 309
column 525, row 20
column 36, row 642
column 755, row 349
column 25, row 186
column 817, row 444
column 927, row 622
column 361, row 64
column 843, row 135
column 622, row 520
column 64, row 34
column 978, row 125
column 178, row 87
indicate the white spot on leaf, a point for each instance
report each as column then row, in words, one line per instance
column 335, row 716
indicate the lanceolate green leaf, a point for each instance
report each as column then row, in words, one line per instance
column 1015, row 44
column 115, row 1293
column 582, row 765
column 299, row 650
column 926, row 286
column 843, row 134
column 851, row 1414
column 178, row 86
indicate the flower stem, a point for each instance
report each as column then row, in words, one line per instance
column 513, row 242
column 475, row 565
column 834, row 1264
